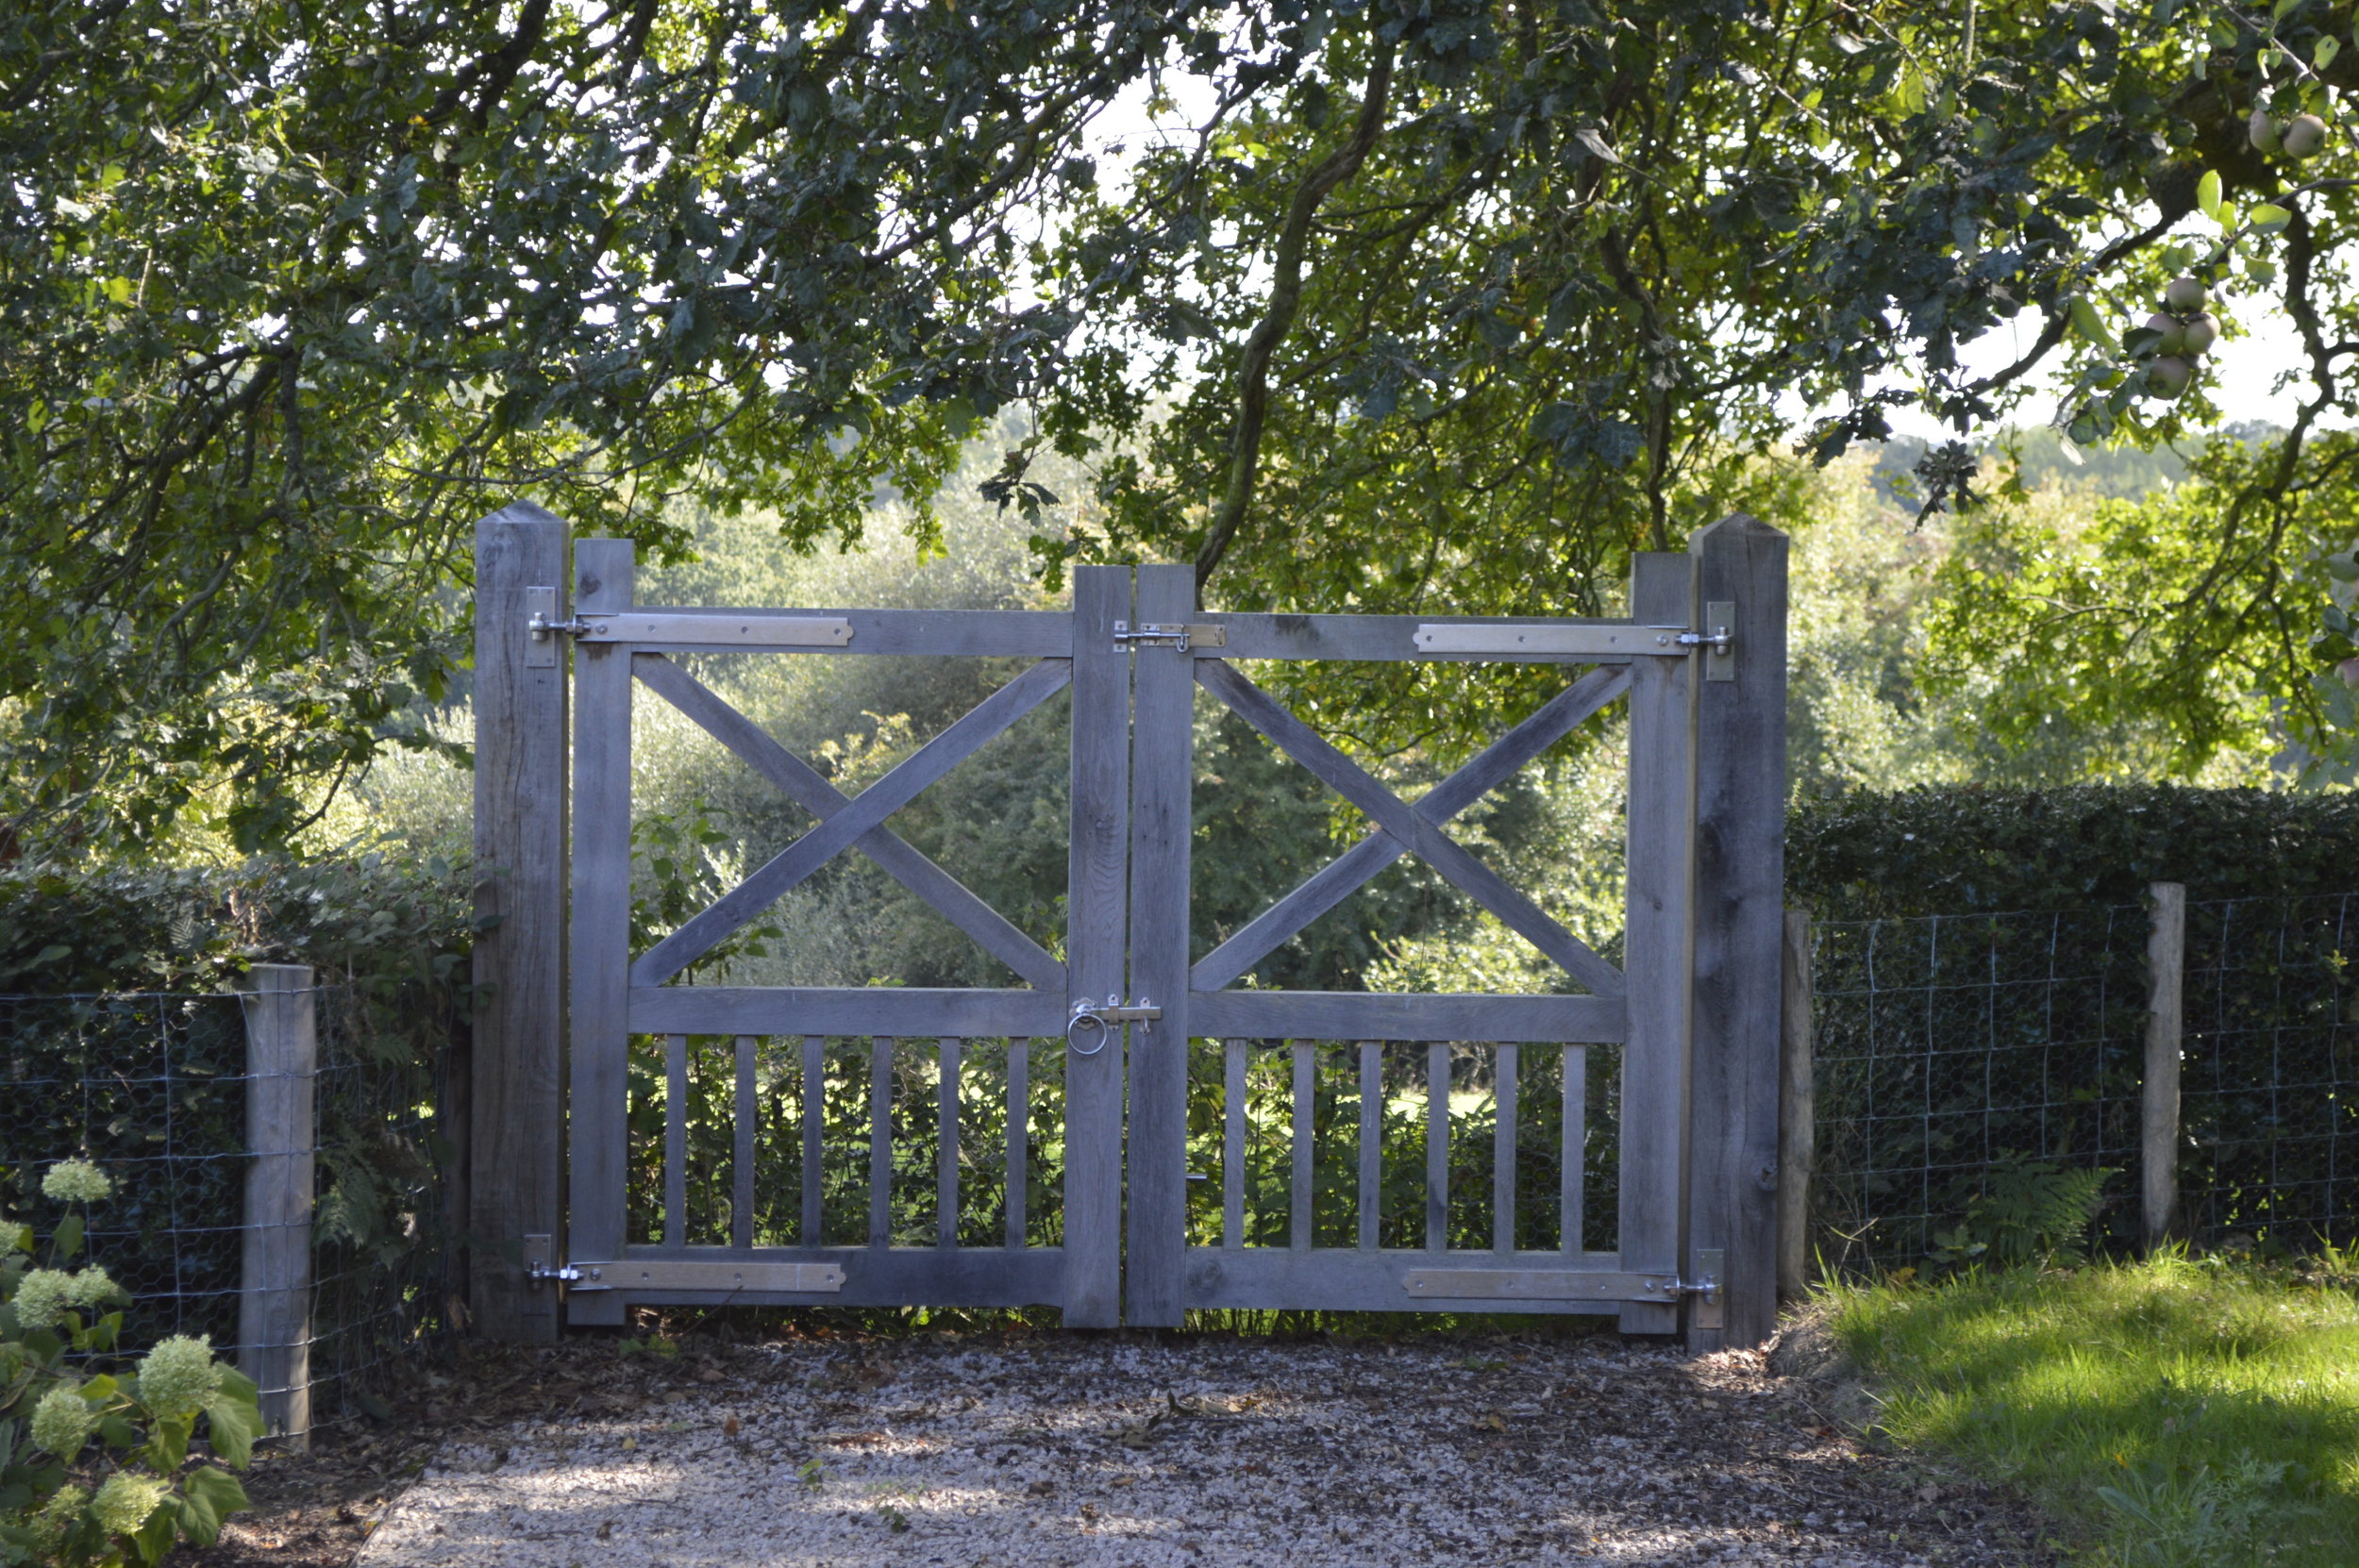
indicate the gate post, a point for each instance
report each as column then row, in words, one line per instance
column 1740, row 893
column 516, row 1165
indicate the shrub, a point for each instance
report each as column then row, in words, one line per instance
column 94, row 1465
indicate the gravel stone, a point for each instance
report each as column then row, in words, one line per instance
column 1100, row 1452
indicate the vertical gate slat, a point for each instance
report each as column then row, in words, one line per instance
column 1503, row 1149
column 1232, row 1144
column 1570, row 1178
column 1371, row 1142
column 1305, row 1102
column 881, row 1142
column 947, row 1113
column 1437, row 1145
column 813, row 1107
column 742, row 1159
column 1019, row 1137
column 676, row 1139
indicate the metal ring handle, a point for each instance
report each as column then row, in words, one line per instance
column 1079, row 1018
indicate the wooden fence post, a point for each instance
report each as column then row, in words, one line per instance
column 1740, row 903
column 517, row 1105
column 274, row 1292
column 2158, row 1119
column 1797, row 1113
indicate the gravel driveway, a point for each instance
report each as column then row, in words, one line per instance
column 1076, row 1452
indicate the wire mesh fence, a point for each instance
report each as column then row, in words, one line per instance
column 152, row 1087
column 1954, row 1050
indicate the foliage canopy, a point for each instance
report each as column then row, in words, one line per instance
column 1349, row 303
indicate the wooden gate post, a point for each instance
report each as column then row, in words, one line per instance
column 1740, row 913
column 518, row 1108
column 1797, row 1113
column 2158, row 1093
column 282, row 1047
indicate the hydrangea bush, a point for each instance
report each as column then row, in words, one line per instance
column 96, row 1469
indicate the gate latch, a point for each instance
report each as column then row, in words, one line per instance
column 1103, row 1018
column 540, row 1266
column 1154, row 634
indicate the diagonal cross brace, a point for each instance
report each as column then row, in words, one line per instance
column 1340, row 877
column 855, row 822
column 807, row 788
column 1413, row 831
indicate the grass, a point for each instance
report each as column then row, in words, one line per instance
column 2182, row 1412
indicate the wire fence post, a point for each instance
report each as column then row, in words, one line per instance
column 2158, row 1108
column 274, row 1292
column 1797, row 1110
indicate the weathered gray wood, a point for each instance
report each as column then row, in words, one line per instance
column 2158, row 1099
column 1162, row 733
column 911, row 776
column 1437, row 1145
column 745, row 631
column 1094, row 939
column 1390, row 813
column 275, row 1284
column 881, row 1142
column 744, row 1126
column 1339, row 878
column 1390, row 1015
column 596, row 1117
column 1382, row 639
column 1303, row 1146
column 1346, row 1280
column 873, row 1277
column 947, row 1167
column 1503, row 1151
column 1658, row 936
column 1232, row 1147
column 516, row 1096
column 676, row 1139
column 1798, row 1109
column 803, row 784
column 1740, row 895
column 842, row 1010
column 815, row 1130
column 1371, row 1142
column 1570, row 1181
column 1019, row 1151
column 983, row 633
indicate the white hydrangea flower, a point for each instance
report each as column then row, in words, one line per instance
column 180, row 1374
column 43, row 1296
column 124, row 1500
column 49, row 1525
column 62, row 1422
column 92, row 1288
column 75, row 1181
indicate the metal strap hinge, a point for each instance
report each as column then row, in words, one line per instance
column 1154, row 634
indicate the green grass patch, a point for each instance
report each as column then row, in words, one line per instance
column 2182, row 1412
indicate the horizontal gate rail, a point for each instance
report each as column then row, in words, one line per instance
column 981, row 633
column 843, row 1009
column 1383, row 1015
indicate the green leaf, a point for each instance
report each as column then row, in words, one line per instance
column 168, row 1443
column 117, row 1433
column 67, row 1241
column 2328, row 46
column 209, row 1497
column 232, row 1425
column 2091, row 326
column 2207, row 192
column 2268, row 217
column 157, row 1536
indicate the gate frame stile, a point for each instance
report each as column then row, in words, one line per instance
column 604, row 573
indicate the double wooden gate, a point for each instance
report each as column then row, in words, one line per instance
column 1354, row 1104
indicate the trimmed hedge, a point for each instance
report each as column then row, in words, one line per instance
column 1864, row 856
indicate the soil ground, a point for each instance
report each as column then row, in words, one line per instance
column 1073, row 1450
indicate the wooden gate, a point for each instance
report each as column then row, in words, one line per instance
column 1345, row 1092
